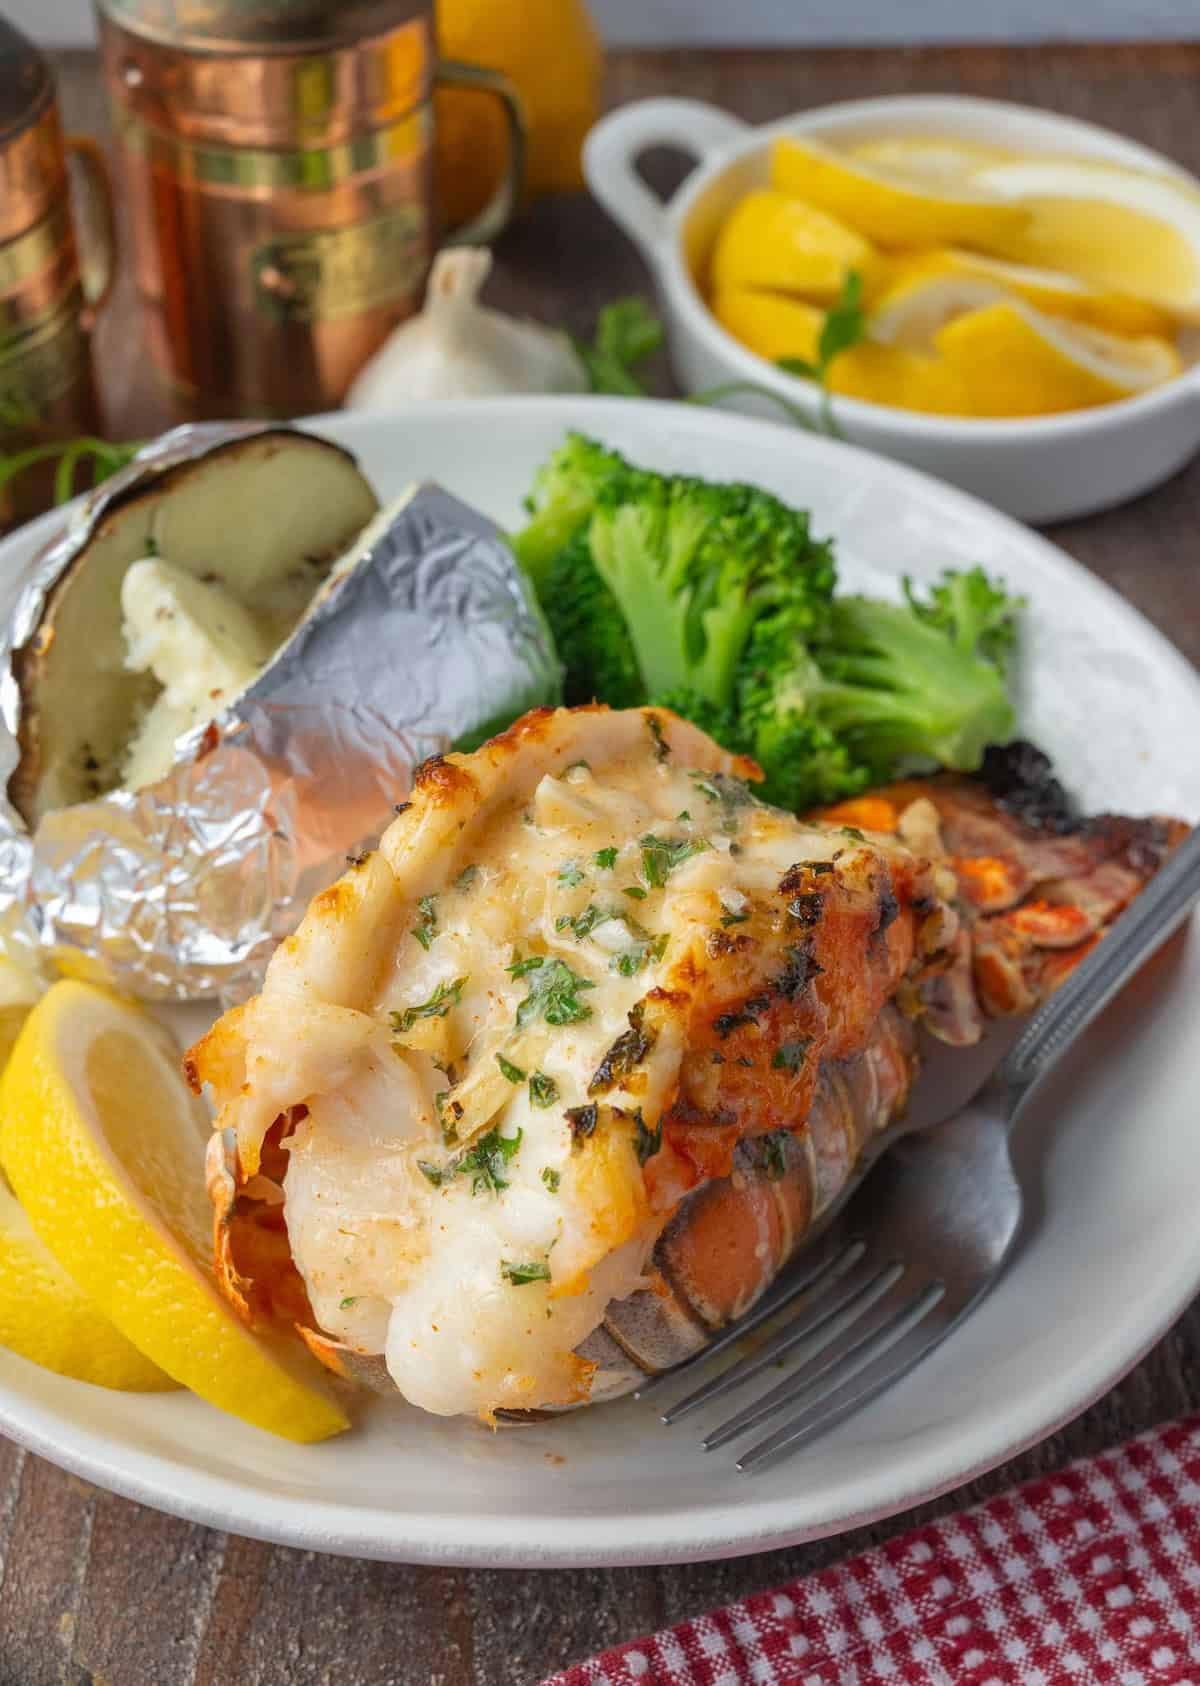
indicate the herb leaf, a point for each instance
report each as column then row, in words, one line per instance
column 606, row 859
column 554, row 991
column 543, row 1090
column 509, row 1070
column 646, row 1142
column 569, row 874
column 789, row 1056
column 627, row 334
column 439, row 1004
column 551, row 1178
column 661, row 855
column 486, row 1161
column 425, row 928
column 519, row 1274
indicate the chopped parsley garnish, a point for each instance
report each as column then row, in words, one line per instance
column 582, row 1120
column 439, row 1004
column 351, row 1299
column 728, row 793
column 636, row 891
column 799, row 972
column 449, row 1116
column 425, row 928
column 854, row 832
column 645, row 947
column 773, row 1153
column 646, row 1142
column 554, row 991
column 606, row 859
column 662, row 749
column 790, row 1056
column 626, row 1053
column 726, row 1023
column 509, row 1070
column 728, row 918
column 570, row 874
column 519, row 1274
column 551, row 1178
column 543, row 1090
column 484, row 1163
column 684, row 815
column 583, row 924
column 806, row 909
column 466, row 877
column 661, row 855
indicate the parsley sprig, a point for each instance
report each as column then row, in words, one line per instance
column 844, row 326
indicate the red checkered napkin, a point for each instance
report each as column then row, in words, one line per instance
column 1090, row 1578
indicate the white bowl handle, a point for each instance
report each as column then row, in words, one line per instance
column 614, row 146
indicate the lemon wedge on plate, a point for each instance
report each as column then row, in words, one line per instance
column 914, row 286
column 1123, row 229
column 932, row 158
column 104, row 1145
column 772, row 240
column 43, row 1316
column 892, row 207
column 1014, row 361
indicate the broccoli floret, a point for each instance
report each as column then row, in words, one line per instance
column 694, row 566
column 589, row 634
column 716, row 601
column 565, row 490
column 892, row 683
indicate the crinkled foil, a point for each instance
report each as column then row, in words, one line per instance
column 181, row 891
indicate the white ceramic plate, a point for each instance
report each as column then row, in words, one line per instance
column 1111, row 1160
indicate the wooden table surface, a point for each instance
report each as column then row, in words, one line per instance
column 94, row 1589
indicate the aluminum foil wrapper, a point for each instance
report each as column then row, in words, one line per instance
column 181, row 890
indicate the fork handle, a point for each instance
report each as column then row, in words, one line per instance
column 1142, row 928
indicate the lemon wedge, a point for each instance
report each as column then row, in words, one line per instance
column 893, row 208
column 104, row 1145
column 1123, row 229
column 775, row 327
column 772, row 240
column 1013, row 361
column 20, row 988
column 913, row 288
column 929, row 158
column 769, row 323
column 44, row 1317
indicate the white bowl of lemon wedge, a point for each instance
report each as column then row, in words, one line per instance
column 1004, row 297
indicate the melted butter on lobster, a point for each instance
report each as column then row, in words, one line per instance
column 553, row 1084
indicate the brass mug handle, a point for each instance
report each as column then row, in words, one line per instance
column 497, row 213
column 98, row 252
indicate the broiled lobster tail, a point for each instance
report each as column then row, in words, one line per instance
column 1035, row 888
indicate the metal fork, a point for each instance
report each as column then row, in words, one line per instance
column 914, row 1252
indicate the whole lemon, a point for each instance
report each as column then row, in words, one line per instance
column 550, row 51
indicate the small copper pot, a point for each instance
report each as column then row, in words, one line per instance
column 277, row 157
column 47, row 303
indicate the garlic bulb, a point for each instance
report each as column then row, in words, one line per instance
column 456, row 348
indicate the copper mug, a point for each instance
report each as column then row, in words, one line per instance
column 277, row 157
column 48, row 299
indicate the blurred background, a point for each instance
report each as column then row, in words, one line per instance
column 825, row 22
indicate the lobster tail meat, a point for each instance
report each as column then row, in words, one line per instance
column 551, row 1087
